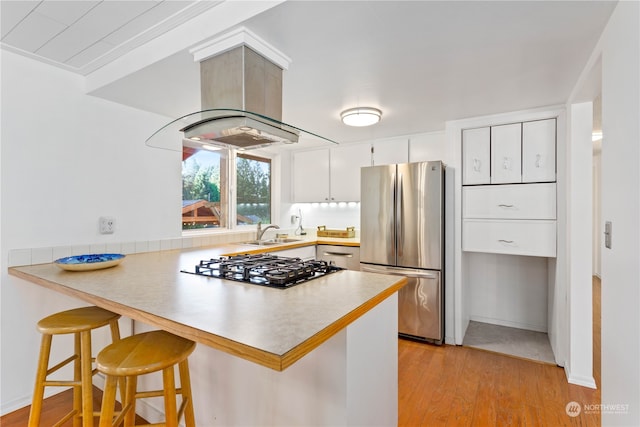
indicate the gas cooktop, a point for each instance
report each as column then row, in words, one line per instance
column 264, row 269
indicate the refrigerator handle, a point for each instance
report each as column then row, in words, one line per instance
column 399, row 216
column 397, row 272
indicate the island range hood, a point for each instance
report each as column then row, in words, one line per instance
column 245, row 91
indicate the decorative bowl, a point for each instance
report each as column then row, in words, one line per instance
column 89, row 262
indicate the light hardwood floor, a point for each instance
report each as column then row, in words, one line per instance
column 458, row 386
column 461, row 386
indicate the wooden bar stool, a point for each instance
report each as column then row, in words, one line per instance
column 142, row 354
column 80, row 322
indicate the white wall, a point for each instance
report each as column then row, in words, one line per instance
column 620, row 50
column 67, row 159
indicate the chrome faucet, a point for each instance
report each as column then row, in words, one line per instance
column 262, row 230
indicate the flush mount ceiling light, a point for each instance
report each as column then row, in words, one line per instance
column 361, row 116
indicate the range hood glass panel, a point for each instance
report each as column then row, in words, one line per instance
column 230, row 128
column 239, row 131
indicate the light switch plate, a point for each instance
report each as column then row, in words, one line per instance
column 607, row 234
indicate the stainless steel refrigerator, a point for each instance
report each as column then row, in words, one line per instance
column 402, row 233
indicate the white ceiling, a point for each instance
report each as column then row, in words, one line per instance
column 420, row 62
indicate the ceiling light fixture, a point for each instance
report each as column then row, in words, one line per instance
column 361, row 116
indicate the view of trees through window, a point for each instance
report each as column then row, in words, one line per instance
column 253, row 179
column 204, row 193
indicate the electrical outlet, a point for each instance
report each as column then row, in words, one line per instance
column 294, row 218
column 107, row 225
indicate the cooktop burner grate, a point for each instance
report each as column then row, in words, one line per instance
column 264, row 269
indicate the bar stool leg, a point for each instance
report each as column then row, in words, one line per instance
column 185, row 385
column 77, row 376
column 169, row 383
column 41, row 375
column 115, row 336
column 108, row 401
column 130, row 399
column 87, row 379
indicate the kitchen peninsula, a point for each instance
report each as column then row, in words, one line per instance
column 320, row 353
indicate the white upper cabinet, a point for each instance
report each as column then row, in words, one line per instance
column 506, row 154
column 428, row 147
column 311, row 176
column 329, row 175
column 539, row 151
column 346, row 161
column 391, row 151
column 476, row 152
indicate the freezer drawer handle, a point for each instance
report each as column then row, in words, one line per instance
column 505, row 206
column 339, row 254
column 505, row 241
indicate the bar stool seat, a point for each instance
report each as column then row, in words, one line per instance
column 143, row 354
column 80, row 322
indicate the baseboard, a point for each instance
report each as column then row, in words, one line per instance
column 578, row 380
column 15, row 404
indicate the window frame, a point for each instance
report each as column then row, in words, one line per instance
column 231, row 192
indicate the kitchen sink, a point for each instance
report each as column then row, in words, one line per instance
column 288, row 240
column 261, row 243
column 271, row 242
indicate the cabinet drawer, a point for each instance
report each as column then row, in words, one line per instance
column 514, row 237
column 526, row 201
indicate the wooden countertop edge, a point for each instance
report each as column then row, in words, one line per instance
column 316, row 340
column 261, row 357
column 336, row 243
column 247, row 249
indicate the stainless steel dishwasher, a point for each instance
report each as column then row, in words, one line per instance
column 342, row 256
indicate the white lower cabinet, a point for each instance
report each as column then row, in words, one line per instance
column 513, row 237
column 305, row 253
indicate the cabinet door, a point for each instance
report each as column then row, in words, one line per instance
column 539, row 151
column 506, row 154
column 346, row 162
column 391, row 151
column 428, row 146
column 311, row 176
column 475, row 156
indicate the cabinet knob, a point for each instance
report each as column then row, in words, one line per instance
column 538, row 160
column 477, row 165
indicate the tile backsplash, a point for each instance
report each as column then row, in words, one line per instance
column 32, row 256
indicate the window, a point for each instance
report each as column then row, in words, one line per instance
column 253, row 189
column 204, row 188
column 208, row 201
